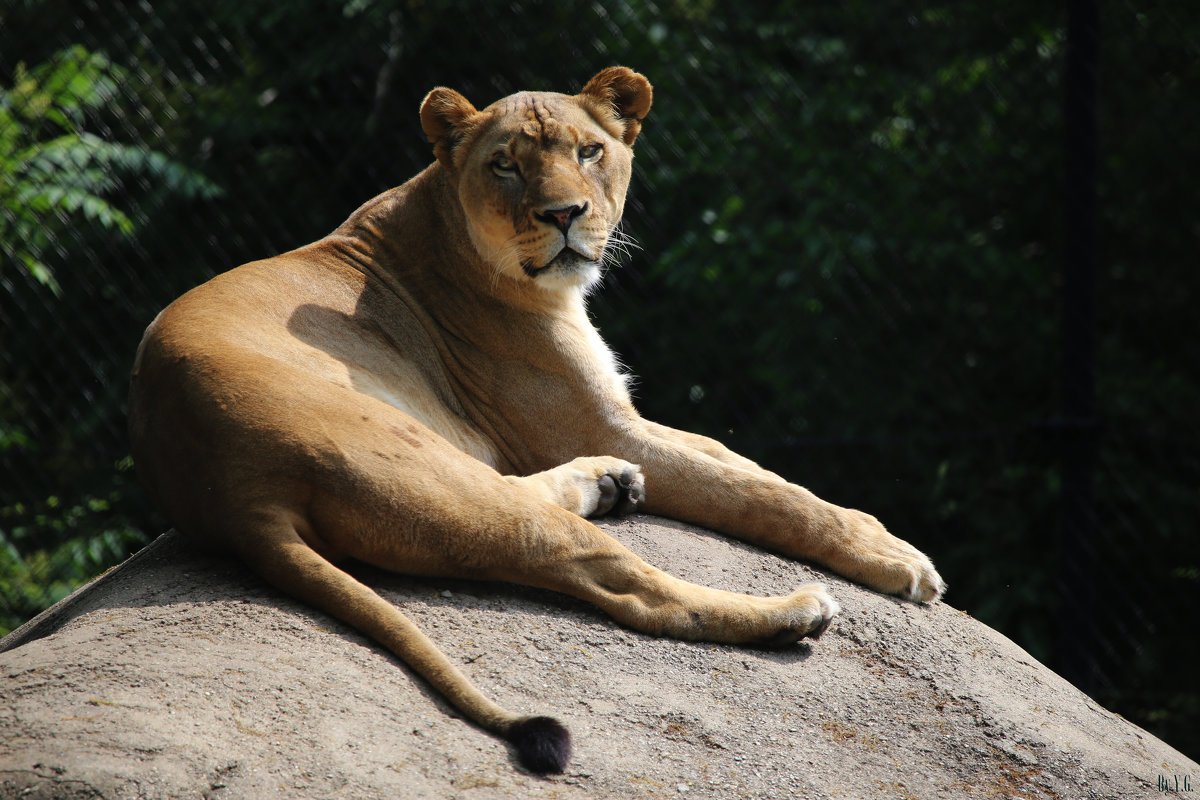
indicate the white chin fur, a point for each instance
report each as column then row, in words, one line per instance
column 582, row 276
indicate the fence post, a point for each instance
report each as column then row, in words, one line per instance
column 1078, row 423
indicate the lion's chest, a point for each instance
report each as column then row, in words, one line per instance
column 546, row 402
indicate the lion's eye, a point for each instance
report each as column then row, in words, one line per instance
column 590, row 152
column 504, row 166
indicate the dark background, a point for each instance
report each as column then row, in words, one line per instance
column 935, row 261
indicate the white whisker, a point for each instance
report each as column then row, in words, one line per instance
column 619, row 247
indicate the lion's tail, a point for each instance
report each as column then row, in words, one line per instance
column 543, row 744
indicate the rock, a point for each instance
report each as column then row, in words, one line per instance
column 181, row 675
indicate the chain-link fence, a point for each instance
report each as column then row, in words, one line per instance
column 853, row 229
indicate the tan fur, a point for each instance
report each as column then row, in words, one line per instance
column 422, row 390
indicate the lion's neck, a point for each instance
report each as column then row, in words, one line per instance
column 413, row 240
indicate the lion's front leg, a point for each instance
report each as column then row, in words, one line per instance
column 688, row 484
column 589, row 486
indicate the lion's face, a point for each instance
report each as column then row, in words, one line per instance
column 543, row 188
column 541, row 177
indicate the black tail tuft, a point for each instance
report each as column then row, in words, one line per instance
column 543, row 744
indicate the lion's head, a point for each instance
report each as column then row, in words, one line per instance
column 542, row 177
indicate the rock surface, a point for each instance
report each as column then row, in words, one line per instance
column 180, row 675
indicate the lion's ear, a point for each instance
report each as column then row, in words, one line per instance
column 626, row 93
column 445, row 116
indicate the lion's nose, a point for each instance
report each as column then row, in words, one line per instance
column 561, row 218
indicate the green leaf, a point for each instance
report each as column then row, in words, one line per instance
column 41, row 273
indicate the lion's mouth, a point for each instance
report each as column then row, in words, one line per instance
column 567, row 260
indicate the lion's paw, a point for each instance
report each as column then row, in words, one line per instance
column 620, row 486
column 927, row 585
column 621, row 490
column 891, row 565
column 591, row 486
column 804, row 614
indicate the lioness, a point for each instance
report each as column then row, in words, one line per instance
column 422, row 390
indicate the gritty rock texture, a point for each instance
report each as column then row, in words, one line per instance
column 181, row 675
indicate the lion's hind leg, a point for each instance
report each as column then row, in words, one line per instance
column 567, row 554
column 653, row 601
column 588, row 486
column 279, row 555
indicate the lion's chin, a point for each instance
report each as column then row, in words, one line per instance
column 569, row 267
